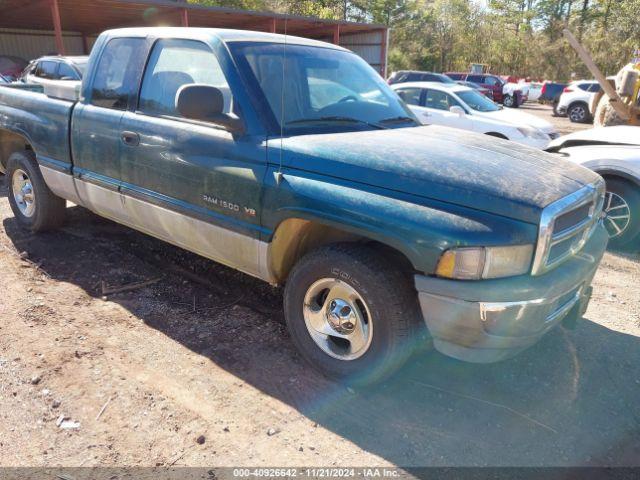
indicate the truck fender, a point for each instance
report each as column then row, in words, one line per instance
column 303, row 213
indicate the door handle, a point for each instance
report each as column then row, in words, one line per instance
column 426, row 114
column 131, row 139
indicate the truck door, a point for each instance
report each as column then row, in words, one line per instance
column 191, row 182
column 96, row 141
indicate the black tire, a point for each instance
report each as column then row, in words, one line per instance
column 630, row 193
column 509, row 101
column 579, row 113
column 605, row 115
column 49, row 209
column 386, row 291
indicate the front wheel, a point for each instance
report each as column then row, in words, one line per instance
column 33, row 203
column 622, row 209
column 351, row 314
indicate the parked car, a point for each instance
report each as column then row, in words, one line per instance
column 484, row 91
column 11, row 66
column 463, row 107
column 373, row 223
column 534, row 90
column 614, row 153
column 511, row 98
column 575, row 99
column 550, row 94
column 45, row 69
column 417, row 76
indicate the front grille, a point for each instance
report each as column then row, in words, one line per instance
column 566, row 225
column 572, row 218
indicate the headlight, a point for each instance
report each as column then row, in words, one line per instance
column 533, row 133
column 485, row 262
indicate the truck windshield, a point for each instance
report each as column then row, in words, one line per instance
column 319, row 87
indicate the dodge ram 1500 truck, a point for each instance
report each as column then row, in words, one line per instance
column 291, row 160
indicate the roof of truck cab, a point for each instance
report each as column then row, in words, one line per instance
column 223, row 34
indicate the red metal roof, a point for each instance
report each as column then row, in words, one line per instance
column 91, row 17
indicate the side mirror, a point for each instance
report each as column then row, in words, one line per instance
column 206, row 104
column 458, row 110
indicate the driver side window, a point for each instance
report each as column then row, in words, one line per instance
column 440, row 100
column 174, row 63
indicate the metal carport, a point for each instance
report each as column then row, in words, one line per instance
column 31, row 28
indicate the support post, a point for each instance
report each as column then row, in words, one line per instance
column 85, row 44
column 272, row 25
column 184, row 17
column 57, row 26
column 384, row 45
column 336, row 34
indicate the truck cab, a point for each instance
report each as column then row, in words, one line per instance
column 292, row 160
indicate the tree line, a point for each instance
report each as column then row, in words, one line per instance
column 514, row 37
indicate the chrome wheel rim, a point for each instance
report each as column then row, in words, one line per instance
column 23, row 194
column 577, row 114
column 337, row 319
column 618, row 214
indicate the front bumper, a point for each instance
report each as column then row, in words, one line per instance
column 490, row 320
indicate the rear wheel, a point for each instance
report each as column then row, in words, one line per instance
column 622, row 208
column 34, row 205
column 509, row 101
column 351, row 313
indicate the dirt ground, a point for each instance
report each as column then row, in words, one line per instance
column 135, row 378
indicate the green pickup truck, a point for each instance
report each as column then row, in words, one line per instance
column 292, row 161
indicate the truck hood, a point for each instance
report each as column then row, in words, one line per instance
column 442, row 164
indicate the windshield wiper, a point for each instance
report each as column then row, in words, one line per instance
column 399, row 119
column 336, row 119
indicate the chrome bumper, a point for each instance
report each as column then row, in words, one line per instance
column 478, row 322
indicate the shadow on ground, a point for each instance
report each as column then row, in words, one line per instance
column 573, row 399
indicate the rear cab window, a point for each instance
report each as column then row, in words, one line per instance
column 117, row 76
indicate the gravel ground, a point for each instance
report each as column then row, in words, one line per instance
column 197, row 369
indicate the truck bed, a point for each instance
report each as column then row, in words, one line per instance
column 40, row 119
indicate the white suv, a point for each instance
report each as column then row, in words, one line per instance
column 575, row 100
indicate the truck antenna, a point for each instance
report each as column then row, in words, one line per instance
column 282, row 93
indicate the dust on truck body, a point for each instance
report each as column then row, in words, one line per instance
column 320, row 179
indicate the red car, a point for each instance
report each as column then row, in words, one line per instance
column 494, row 83
column 11, row 67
